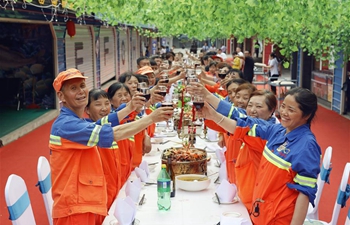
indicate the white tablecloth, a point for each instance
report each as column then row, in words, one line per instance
column 187, row 208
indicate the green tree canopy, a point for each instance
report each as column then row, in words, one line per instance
column 316, row 26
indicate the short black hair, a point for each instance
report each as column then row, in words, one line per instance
column 95, row 94
column 142, row 78
column 140, row 59
column 124, row 77
column 240, row 73
column 115, row 87
column 153, row 62
column 238, row 81
column 156, row 57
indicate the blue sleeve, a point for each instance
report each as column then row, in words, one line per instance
column 122, row 106
column 85, row 133
column 229, row 110
column 259, row 127
column 112, row 118
column 307, row 166
column 157, row 105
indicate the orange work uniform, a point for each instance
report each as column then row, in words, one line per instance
column 112, row 170
column 289, row 166
column 215, row 89
column 78, row 182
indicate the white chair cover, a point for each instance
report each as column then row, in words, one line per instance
column 44, row 176
column 323, row 177
column 18, row 202
column 342, row 197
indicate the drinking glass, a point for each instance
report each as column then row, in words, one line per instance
column 141, row 85
column 147, row 95
column 198, row 102
column 164, row 78
column 222, row 76
column 175, row 99
column 162, row 90
column 167, row 102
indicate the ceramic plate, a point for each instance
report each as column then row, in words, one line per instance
column 232, row 214
column 235, row 200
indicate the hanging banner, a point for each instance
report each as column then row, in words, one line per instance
column 107, row 54
column 135, row 49
column 123, row 50
column 154, row 46
column 79, row 53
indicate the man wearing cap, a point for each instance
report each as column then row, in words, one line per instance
column 78, row 183
column 148, row 71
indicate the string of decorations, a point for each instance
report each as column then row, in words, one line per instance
column 57, row 6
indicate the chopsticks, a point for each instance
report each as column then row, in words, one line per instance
column 217, row 180
column 217, row 197
column 142, row 199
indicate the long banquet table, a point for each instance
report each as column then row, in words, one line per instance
column 187, row 208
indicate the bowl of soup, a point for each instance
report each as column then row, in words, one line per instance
column 192, row 182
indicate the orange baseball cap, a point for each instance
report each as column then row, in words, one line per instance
column 144, row 70
column 66, row 75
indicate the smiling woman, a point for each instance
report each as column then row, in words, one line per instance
column 290, row 160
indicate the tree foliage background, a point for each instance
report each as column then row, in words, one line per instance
column 315, row 26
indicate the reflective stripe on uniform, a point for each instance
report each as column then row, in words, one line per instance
column 104, row 120
column 231, row 111
column 305, row 181
column 94, row 137
column 55, row 140
column 152, row 108
column 275, row 160
column 114, row 145
column 131, row 139
column 252, row 131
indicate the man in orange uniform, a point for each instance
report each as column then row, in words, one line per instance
column 78, row 183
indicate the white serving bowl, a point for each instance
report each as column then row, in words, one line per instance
column 192, row 182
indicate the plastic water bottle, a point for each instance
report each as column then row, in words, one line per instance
column 163, row 182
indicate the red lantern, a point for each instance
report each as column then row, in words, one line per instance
column 70, row 26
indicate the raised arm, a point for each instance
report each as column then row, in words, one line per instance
column 126, row 130
column 209, row 113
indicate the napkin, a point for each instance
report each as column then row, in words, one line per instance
column 212, row 135
column 226, row 191
column 133, row 189
column 227, row 220
column 142, row 171
column 125, row 211
column 223, row 172
column 212, row 147
column 220, row 154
